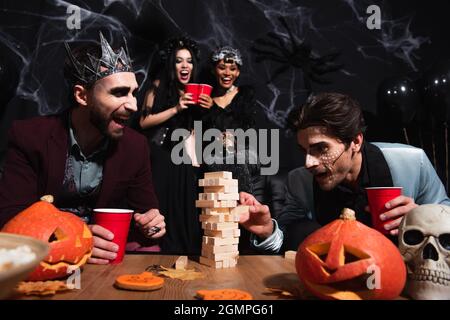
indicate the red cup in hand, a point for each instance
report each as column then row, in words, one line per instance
column 377, row 198
column 118, row 222
column 205, row 89
column 194, row 89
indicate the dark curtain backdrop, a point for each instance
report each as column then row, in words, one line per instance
column 414, row 35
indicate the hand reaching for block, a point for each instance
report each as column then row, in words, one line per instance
column 220, row 214
column 257, row 219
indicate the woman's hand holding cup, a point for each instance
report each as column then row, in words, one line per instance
column 205, row 101
column 184, row 101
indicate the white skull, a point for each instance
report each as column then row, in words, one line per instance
column 424, row 242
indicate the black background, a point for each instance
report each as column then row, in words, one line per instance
column 414, row 35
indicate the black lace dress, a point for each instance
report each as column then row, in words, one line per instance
column 175, row 184
column 239, row 114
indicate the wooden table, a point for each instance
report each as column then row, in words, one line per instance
column 253, row 274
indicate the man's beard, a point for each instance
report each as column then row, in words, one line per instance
column 101, row 122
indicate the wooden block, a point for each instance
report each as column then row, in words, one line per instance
column 217, row 182
column 216, row 211
column 230, row 263
column 181, row 262
column 207, row 204
column 241, row 209
column 221, row 256
column 219, row 174
column 204, row 196
column 216, row 241
column 218, row 218
column 290, row 255
column 221, row 189
column 233, row 262
column 228, row 203
column 219, row 225
column 215, row 203
column 211, row 263
column 227, row 196
column 208, row 249
column 233, row 217
column 229, row 233
column 211, row 218
column 218, row 196
column 226, row 263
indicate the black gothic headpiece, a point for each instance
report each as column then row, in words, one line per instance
column 174, row 44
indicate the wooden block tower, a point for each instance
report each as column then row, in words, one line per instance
column 220, row 217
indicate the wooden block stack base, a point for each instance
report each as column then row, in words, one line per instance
column 220, row 217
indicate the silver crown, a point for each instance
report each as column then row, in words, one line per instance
column 227, row 53
column 95, row 69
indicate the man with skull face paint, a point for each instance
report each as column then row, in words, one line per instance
column 86, row 157
column 339, row 164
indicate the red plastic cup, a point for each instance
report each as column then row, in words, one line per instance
column 205, row 89
column 193, row 88
column 118, row 222
column 377, row 197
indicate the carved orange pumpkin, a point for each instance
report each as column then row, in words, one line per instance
column 347, row 260
column 69, row 238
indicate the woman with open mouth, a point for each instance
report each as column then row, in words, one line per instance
column 234, row 108
column 167, row 108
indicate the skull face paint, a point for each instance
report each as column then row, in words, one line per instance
column 424, row 242
column 329, row 160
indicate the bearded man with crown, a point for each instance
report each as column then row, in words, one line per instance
column 87, row 157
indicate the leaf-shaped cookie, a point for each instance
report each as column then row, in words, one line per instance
column 41, row 288
column 182, row 274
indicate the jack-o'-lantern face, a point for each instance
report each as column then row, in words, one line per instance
column 69, row 238
column 340, row 271
column 348, row 260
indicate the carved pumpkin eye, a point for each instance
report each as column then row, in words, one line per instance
column 57, row 235
column 348, row 254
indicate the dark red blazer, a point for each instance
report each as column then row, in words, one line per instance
column 35, row 163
